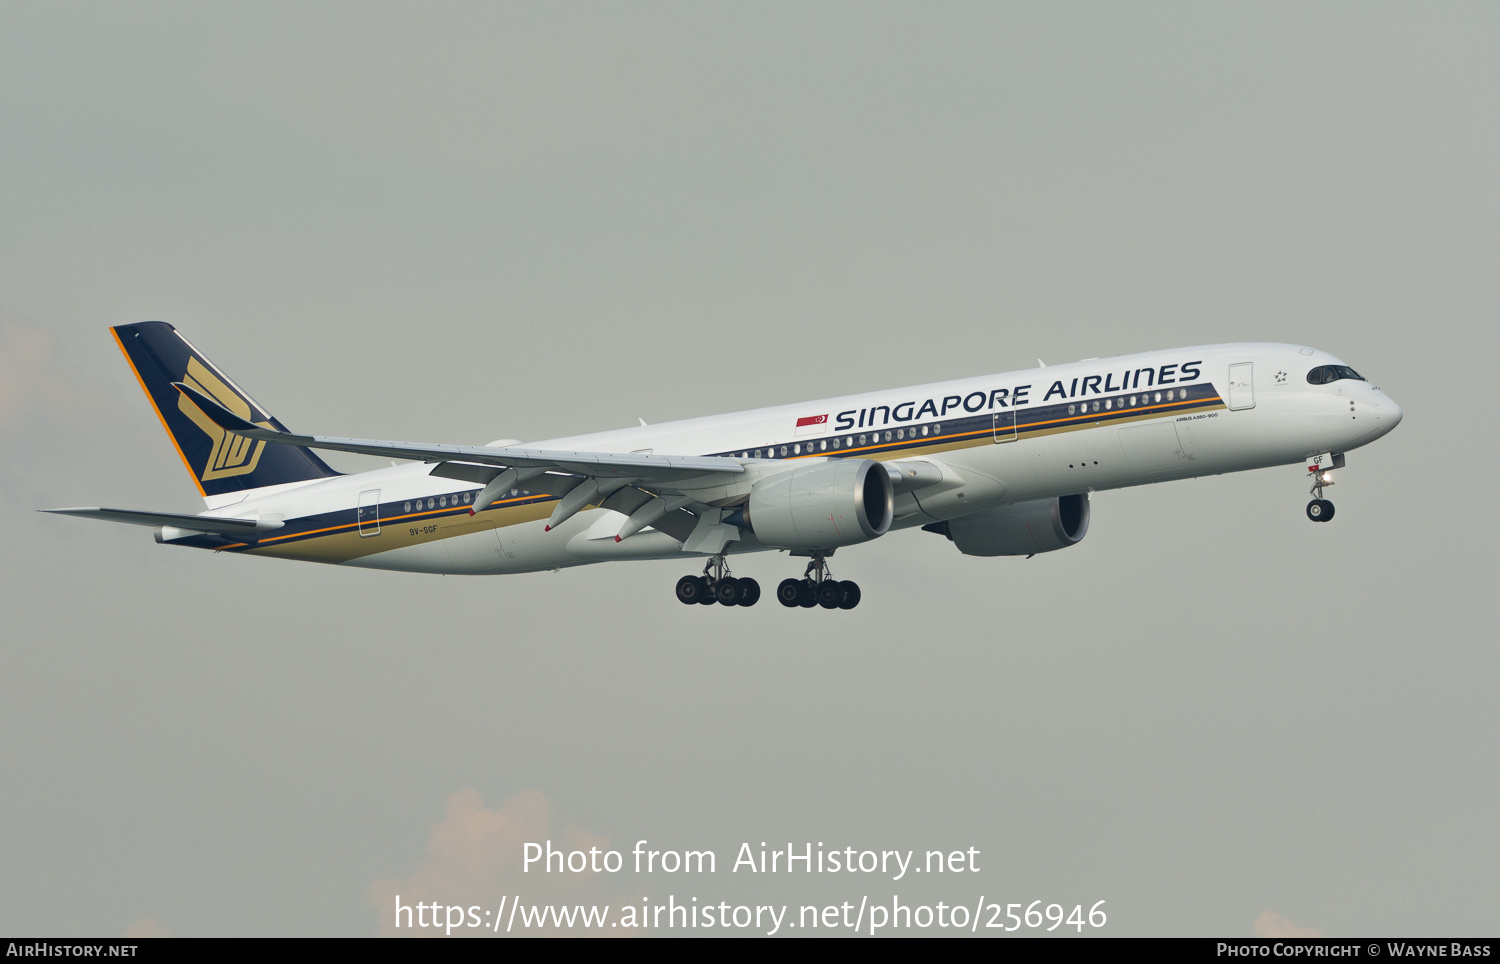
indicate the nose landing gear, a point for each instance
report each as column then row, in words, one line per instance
column 817, row 587
column 716, row 585
column 1320, row 509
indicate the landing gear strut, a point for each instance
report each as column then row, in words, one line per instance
column 817, row 587
column 1320, row 509
column 716, row 585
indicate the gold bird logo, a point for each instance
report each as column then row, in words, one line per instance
column 232, row 454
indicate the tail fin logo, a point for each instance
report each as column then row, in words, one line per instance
column 232, row 454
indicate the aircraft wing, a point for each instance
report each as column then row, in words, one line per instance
column 595, row 465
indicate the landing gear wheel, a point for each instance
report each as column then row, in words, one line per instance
column 690, row 590
column 817, row 587
column 789, row 593
column 728, row 592
column 749, row 592
column 1320, row 510
column 709, row 596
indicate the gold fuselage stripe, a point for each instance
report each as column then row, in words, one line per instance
column 383, row 522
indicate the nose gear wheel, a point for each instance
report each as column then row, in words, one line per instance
column 1320, row 509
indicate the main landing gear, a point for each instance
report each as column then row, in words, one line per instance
column 817, row 588
column 1320, row 509
column 716, row 585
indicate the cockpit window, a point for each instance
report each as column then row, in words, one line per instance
column 1324, row 374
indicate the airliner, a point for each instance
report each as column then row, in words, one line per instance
column 998, row 465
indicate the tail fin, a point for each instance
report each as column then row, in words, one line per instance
column 220, row 462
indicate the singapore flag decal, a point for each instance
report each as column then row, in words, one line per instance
column 812, row 425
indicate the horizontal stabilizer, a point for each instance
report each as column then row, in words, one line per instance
column 197, row 523
column 607, row 465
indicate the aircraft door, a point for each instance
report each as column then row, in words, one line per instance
column 1005, row 425
column 367, row 513
column 1241, row 386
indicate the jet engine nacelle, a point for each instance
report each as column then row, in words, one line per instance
column 1021, row 529
column 822, row 505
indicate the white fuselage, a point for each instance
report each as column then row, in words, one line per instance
column 996, row 440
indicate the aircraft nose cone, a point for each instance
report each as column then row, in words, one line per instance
column 1390, row 413
column 1387, row 414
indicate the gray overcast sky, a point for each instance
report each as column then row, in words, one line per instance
column 462, row 222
